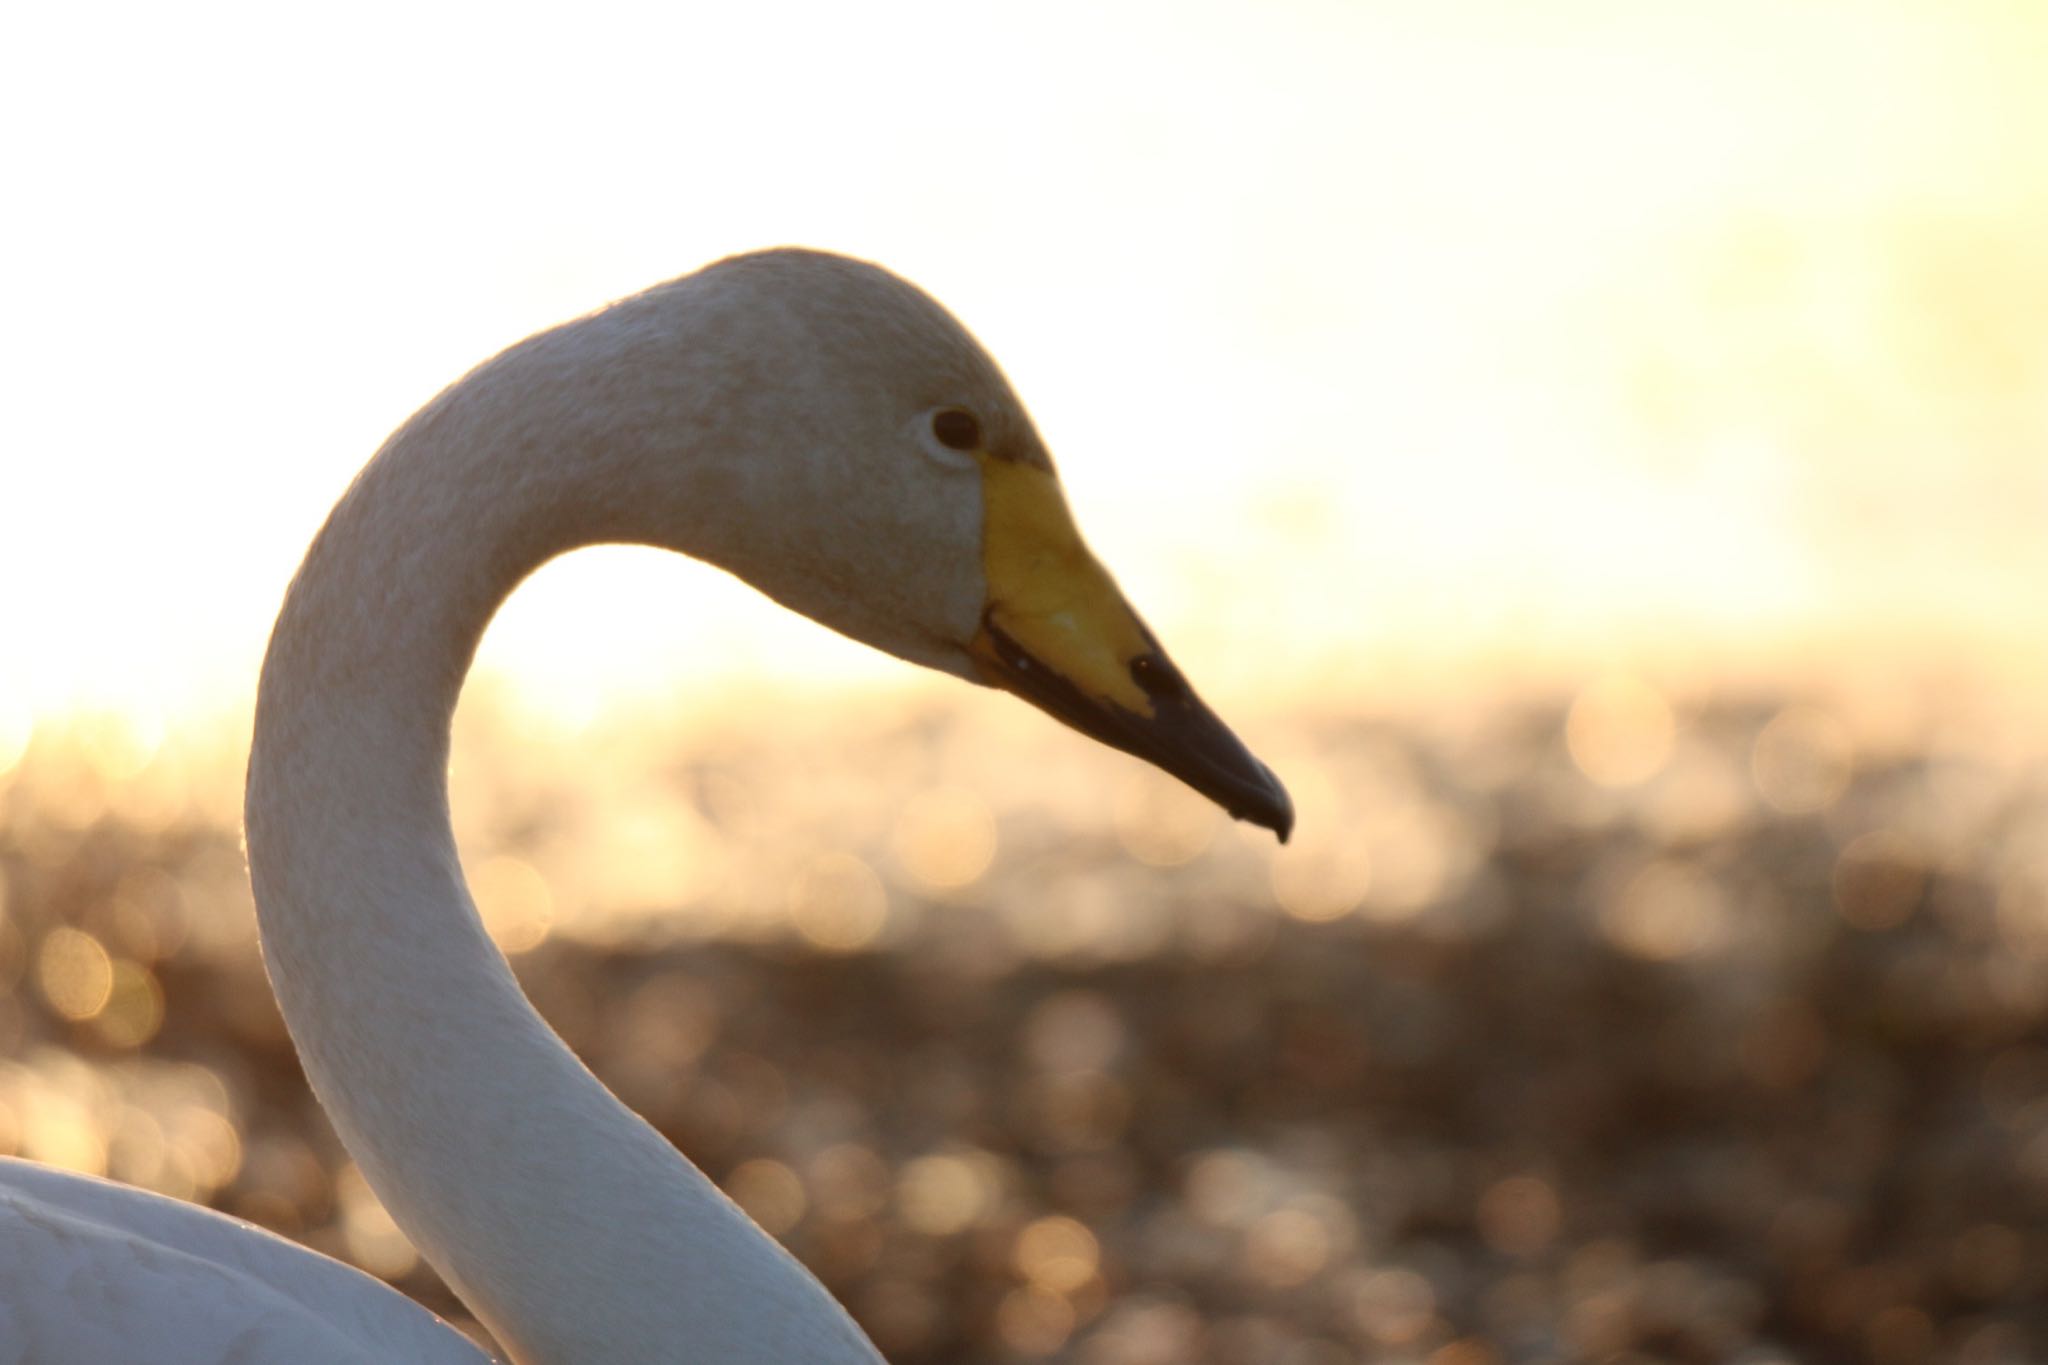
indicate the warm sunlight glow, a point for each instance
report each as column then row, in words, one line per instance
column 1556, row 335
column 1596, row 454
column 17, row 727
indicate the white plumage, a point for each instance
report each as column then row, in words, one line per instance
column 94, row 1271
column 810, row 423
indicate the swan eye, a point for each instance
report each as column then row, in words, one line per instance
column 956, row 429
column 1157, row 677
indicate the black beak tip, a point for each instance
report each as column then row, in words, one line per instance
column 1269, row 806
column 1183, row 737
column 1278, row 813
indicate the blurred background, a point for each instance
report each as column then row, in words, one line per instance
column 1597, row 453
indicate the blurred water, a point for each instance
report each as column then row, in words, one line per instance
column 1699, row 1028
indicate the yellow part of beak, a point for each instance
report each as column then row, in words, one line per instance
column 1056, row 632
column 1047, row 593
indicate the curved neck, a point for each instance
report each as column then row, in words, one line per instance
column 571, row 1228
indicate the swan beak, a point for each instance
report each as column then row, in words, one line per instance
column 1171, row 728
column 1056, row 631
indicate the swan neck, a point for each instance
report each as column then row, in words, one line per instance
column 571, row 1228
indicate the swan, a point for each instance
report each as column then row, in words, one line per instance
column 816, row 426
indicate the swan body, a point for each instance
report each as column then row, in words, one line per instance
column 816, row 426
column 95, row 1271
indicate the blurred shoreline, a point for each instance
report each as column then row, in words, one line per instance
column 1708, row 1024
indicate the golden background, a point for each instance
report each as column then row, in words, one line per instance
column 1596, row 453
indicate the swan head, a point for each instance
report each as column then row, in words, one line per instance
column 882, row 478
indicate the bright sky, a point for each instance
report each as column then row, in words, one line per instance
column 1363, row 331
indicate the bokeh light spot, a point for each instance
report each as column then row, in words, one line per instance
column 1228, row 1188
column 1394, row 1306
column 1145, row 1331
column 1034, row 1321
column 849, row 1182
column 1802, row 760
column 838, row 903
column 1287, row 1247
column 1666, row 911
column 1620, row 731
column 1422, row 852
column 134, row 1008
column 75, row 973
column 1075, row 1111
column 942, row 1194
column 118, row 744
column 1056, row 1254
column 139, row 1153
column 59, row 1131
column 945, row 838
column 770, row 1192
column 1319, row 884
column 206, row 1140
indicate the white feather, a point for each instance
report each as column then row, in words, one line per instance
column 96, row 1273
column 760, row 415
